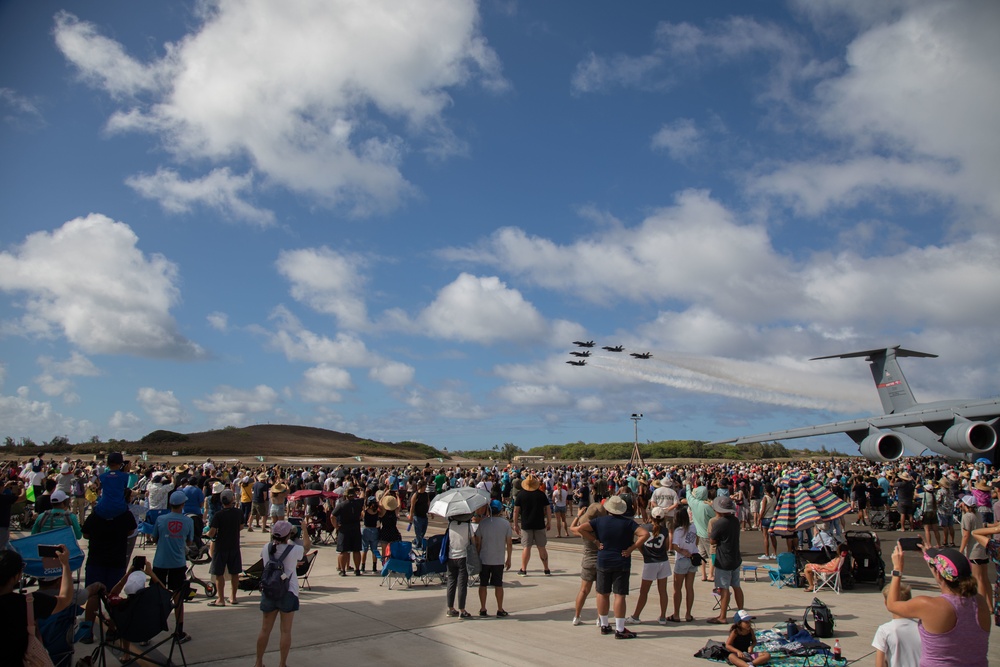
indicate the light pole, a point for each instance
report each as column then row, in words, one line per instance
column 636, row 455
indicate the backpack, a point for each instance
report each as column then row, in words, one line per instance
column 823, row 621
column 273, row 582
column 48, row 518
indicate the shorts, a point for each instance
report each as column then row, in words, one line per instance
column 588, row 567
column 946, row 520
column 288, row 603
column 536, row 538
column 727, row 578
column 560, row 509
column 754, row 506
column 683, row 565
column 765, row 523
column 258, row 509
column 491, row 575
column 174, row 578
column 654, row 571
column 979, row 561
column 277, row 511
column 612, row 581
column 906, row 510
column 704, row 548
column 226, row 560
column 929, row 519
column 348, row 542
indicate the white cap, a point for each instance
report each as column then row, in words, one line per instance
column 135, row 583
column 59, row 496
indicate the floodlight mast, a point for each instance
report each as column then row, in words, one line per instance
column 636, row 454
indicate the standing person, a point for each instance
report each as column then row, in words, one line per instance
column 588, row 564
column 768, row 504
column 459, row 539
column 725, row 536
column 258, row 504
column 279, row 495
column 13, row 492
column 346, row 516
column 246, row 497
column 532, row 519
column 905, row 499
column 973, row 550
column 388, row 530
column 419, row 504
column 173, row 533
column 369, row 534
column 701, row 514
column 685, row 545
column 946, row 511
column 225, row 530
column 655, row 565
column 665, row 497
column 289, row 603
column 495, row 544
column 560, row 497
column 929, row 515
column 897, row 643
column 954, row 626
column 859, row 494
column 617, row 536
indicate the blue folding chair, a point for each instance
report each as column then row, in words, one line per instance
column 785, row 573
column 27, row 547
column 398, row 568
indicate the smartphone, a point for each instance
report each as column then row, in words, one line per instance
column 139, row 563
column 911, row 543
column 48, row 551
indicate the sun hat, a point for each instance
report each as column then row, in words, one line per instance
column 615, row 505
column 904, row 475
column 724, row 505
column 181, row 468
column 742, row 615
column 982, row 486
column 279, row 488
column 218, row 487
column 261, row 477
column 281, row 529
column 656, row 483
column 389, row 503
column 530, row 483
column 177, row 498
column 951, row 564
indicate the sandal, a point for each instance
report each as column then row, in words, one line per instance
column 217, row 603
column 715, row 621
column 689, row 619
column 807, row 590
column 673, row 619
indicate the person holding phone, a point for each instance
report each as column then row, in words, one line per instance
column 14, row 605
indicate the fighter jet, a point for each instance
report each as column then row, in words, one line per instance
column 583, row 343
column 616, row 348
column 582, row 362
column 957, row 429
column 642, row 355
column 585, row 353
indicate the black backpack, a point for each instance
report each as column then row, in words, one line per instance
column 273, row 582
column 822, row 625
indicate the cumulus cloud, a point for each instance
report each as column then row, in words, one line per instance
column 90, row 282
column 327, row 281
column 22, row 416
column 230, row 406
column 323, row 98
column 123, row 421
column 680, row 139
column 218, row 321
column 162, row 406
column 392, row 373
column 529, row 395
column 56, row 376
column 323, row 384
column 219, row 191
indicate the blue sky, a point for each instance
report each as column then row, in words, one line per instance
column 392, row 219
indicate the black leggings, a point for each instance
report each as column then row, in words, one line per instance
column 458, row 580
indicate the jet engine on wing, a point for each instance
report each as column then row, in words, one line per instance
column 882, row 446
column 970, row 437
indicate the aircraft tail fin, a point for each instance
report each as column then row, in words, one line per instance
column 893, row 390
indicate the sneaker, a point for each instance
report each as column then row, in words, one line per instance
column 662, row 620
column 483, row 612
column 625, row 634
column 548, row 573
column 633, row 620
column 577, row 621
column 522, row 573
column 249, row 529
column 607, row 630
column 502, row 613
column 452, row 612
column 764, row 557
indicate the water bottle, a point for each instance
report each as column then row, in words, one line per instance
column 790, row 629
column 836, row 650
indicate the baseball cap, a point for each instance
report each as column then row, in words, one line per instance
column 951, row 564
column 227, row 497
column 281, row 529
column 969, row 500
column 135, row 583
column 659, row 512
column 742, row 615
column 496, row 505
column 59, row 496
column 177, row 498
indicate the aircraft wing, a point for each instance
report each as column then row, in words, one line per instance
column 987, row 409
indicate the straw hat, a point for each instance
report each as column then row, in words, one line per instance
column 262, row 477
column 530, row 483
column 982, row 486
column 905, row 475
column 656, row 484
column 181, row 468
column 615, row 505
column 279, row 488
column 389, row 503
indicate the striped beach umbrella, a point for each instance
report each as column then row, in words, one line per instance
column 829, row 506
column 796, row 511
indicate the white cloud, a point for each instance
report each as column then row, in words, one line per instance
column 162, row 406
column 89, row 280
column 123, row 421
column 21, row 416
column 218, row 191
column 482, row 310
column 218, row 321
column 230, row 406
column 323, row 97
column 448, row 403
column 392, row 373
column 300, row 344
column 323, row 384
column 19, row 111
column 327, row 281
column 681, row 139
column 529, row 395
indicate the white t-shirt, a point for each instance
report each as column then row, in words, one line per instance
column 665, row 497
column 459, row 535
column 899, row 639
column 291, row 561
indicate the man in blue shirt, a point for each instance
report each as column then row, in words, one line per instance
column 617, row 536
column 173, row 532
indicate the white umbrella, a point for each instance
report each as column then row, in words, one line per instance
column 465, row 500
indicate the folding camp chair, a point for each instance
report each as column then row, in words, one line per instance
column 398, row 567
column 829, row 576
column 304, row 567
column 250, row 579
column 785, row 573
column 139, row 618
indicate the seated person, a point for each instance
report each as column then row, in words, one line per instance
column 14, row 606
column 89, row 598
column 823, row 539
column 832, row 565
column 741, row 642
column 134, row 581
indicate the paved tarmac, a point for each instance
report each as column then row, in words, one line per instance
column 354, row 618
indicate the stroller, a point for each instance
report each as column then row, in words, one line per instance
column 429, row 565
column 197, row 554
column 866, row 552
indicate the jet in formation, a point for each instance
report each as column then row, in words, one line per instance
column 956, row 429
column 642, row 355
column 583, row 343
column 615, row 348
column 582, row 362
column 585, row 353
